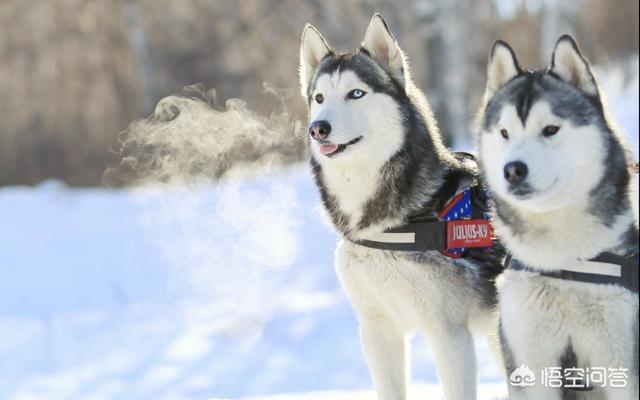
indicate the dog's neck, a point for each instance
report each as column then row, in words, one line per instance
column 550, row 239
column 365, row 195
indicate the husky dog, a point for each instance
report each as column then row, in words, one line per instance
column 377, row 158
column 560, row 176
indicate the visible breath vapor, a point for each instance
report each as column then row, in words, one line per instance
column 226, row 247
column 190, row 138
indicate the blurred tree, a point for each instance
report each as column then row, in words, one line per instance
column 68, row 84
column 74, row 73
column 444, row 37
column 558, row 18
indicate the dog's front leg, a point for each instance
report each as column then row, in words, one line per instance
column 455, row 362
column 385, row 348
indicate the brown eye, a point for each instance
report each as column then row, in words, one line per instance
column 550, row 130
column 504, row 133
column 319, row 98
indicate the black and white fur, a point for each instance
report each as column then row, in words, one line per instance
column 387, row 163
column 574, row 200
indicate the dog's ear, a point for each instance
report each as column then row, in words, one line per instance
column 382, row 46
column 503, row 66
column 568, row 63
column 312, row 50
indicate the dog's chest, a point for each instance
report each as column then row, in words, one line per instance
column 532, row 303
column 411, row 291
column 551, row 241
column 352, row 188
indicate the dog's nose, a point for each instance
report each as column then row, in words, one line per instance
column 515, row 171
column 320, row 130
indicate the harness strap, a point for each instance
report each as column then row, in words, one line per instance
column 606, row 268
column 454, row 221
column 415, row 236
column 429, row 236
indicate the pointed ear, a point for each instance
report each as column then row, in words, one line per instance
column 568, row 63
column 312, row 50
column 381, row 45
column 503, row 66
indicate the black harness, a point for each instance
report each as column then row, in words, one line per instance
column 612, row 270
column 430, row 231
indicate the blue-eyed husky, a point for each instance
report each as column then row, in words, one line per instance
column 566, row 210
column 379, row 162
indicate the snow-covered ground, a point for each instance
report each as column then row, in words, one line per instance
column 193, row 293
column 197, row 293
column 417, row 391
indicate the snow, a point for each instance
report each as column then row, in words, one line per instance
column 191, row 293
column 419, row 391
column 204, row 292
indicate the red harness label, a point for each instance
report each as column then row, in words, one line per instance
column 468, row 233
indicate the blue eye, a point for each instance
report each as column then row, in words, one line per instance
column 356, row 94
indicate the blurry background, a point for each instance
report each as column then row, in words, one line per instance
column 217, row 288
column 74, row 73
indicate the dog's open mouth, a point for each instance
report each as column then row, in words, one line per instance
column 331, row 150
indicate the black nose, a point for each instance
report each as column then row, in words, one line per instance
column 320, row 130
column 515, row 171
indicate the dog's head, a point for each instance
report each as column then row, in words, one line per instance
column 542, row 133
column 353, row 97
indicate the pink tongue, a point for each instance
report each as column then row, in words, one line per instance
column 328, row 148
